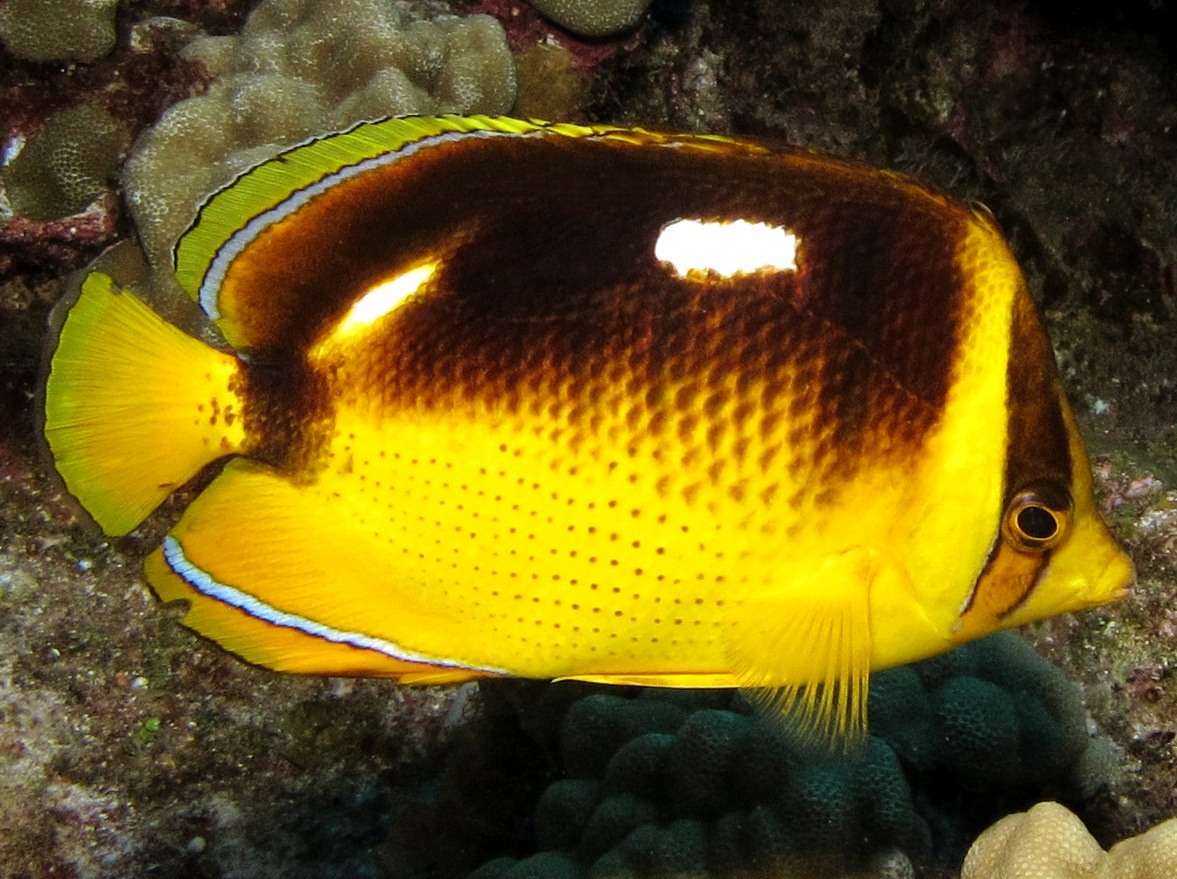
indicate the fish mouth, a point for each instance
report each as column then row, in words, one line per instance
column 1115, row 581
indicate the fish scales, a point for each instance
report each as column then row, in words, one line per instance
column 484, row 428
column 506, row 364
column 484, row 333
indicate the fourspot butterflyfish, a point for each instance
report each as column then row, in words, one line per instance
column 568, row 401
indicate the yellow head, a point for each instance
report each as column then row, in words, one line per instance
column 1005, row 527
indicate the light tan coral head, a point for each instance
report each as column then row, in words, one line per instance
column 495, row 419
column 1050, row 842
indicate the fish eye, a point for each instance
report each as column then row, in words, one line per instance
column 1037, row 523
column 1037, row 518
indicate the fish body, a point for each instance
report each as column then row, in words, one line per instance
column 483, row 418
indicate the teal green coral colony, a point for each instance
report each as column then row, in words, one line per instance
column 652, row 788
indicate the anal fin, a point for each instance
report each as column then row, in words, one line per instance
column 276, row 576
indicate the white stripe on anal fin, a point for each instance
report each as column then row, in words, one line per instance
column 206, row 585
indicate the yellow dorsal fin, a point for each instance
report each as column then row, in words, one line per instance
column 133, row 407
column 241, row 293
column 807, row 658
column 268, row 188
column 269, row 184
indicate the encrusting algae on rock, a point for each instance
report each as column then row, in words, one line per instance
column 561, row 401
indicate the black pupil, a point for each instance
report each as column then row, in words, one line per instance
column 1037, row 523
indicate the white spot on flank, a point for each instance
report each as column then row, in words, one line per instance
column 385, row 297
column 376, row 302
column 726, row 247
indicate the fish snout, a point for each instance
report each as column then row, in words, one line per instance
column 1115, row 581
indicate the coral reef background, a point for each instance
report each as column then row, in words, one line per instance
column 653, row 783
column 128, row 747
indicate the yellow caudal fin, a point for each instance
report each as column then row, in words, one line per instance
column 273, row 575
column 133, row 407
column 808, row 658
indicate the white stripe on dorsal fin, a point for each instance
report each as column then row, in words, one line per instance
column 235, row 214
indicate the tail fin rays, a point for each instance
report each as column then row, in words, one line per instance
column 134, row 407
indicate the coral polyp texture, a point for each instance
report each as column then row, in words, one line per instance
column 58, row 30
column 299, row 68
column 1050, row 842
column 654, row 786
column 593, row 18
column 65, row 164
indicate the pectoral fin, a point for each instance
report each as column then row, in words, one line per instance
column 805, row 653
